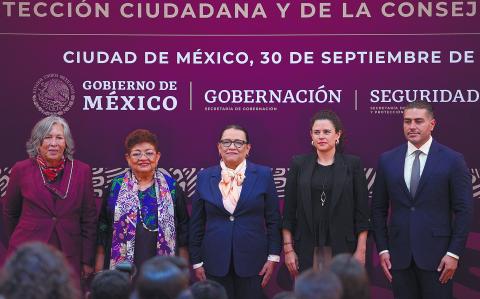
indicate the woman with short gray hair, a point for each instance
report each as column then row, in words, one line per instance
column 49, row 197
column 42, row 128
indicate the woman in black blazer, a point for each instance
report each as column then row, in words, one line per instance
column 326, row 200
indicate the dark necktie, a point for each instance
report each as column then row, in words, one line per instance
column 415, row 177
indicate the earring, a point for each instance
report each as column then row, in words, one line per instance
column 337, row 142
column 313, row 144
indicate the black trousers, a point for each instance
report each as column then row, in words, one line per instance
column 240, row 287
column 415, row 283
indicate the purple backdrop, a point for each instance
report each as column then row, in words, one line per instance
column 33, row 47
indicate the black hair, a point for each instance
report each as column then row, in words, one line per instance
column 421, row 105
column 236, row 127
column 208, row 289
column 110, row 284
column 318, row 285
column 353, row 276
column 162, row 278
column 37, row 271
column 336, row 122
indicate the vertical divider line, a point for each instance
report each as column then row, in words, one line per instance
column 356, row 100
column 191, row 89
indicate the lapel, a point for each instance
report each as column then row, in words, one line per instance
column 45, row 197
column 58, row 204
column 216, row 195
column 306, row 187
column 247, row 186
column 66, row 177
column 339, row 175
column 401, row 155
column 400, row 169
column 433, row 159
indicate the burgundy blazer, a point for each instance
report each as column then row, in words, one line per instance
column 33, row 213
column 3, row 249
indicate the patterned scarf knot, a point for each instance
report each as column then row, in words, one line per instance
column 231, row 184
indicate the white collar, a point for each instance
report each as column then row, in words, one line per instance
column 240, row 168
column 424, row 148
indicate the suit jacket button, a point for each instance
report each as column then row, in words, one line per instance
column 412, row 209
column 231, row 218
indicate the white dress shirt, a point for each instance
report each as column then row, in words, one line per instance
column 407, row 172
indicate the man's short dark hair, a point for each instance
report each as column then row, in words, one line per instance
column 128, row 268
column 353, row 276
column 318, row 285
column 110, row 284
column 208, row 289
column 421, row 105
column 161, row 278
column 180, row 262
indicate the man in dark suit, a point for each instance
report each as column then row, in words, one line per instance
column 428, row 188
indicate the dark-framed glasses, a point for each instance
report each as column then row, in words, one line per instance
column 226, row 143
column 137, row 155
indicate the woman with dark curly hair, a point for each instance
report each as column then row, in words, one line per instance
column 144, row 213
column 37, row 271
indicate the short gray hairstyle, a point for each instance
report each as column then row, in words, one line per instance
column 42, row 128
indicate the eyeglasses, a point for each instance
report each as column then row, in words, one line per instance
column 226, row 143
column 138, row 155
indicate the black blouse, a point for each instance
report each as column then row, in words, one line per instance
column 322, row 183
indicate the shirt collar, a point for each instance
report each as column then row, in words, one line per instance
column 241, row 168
column 424, row 148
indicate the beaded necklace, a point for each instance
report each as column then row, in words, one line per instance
column 144, row 209
column 53, row 189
